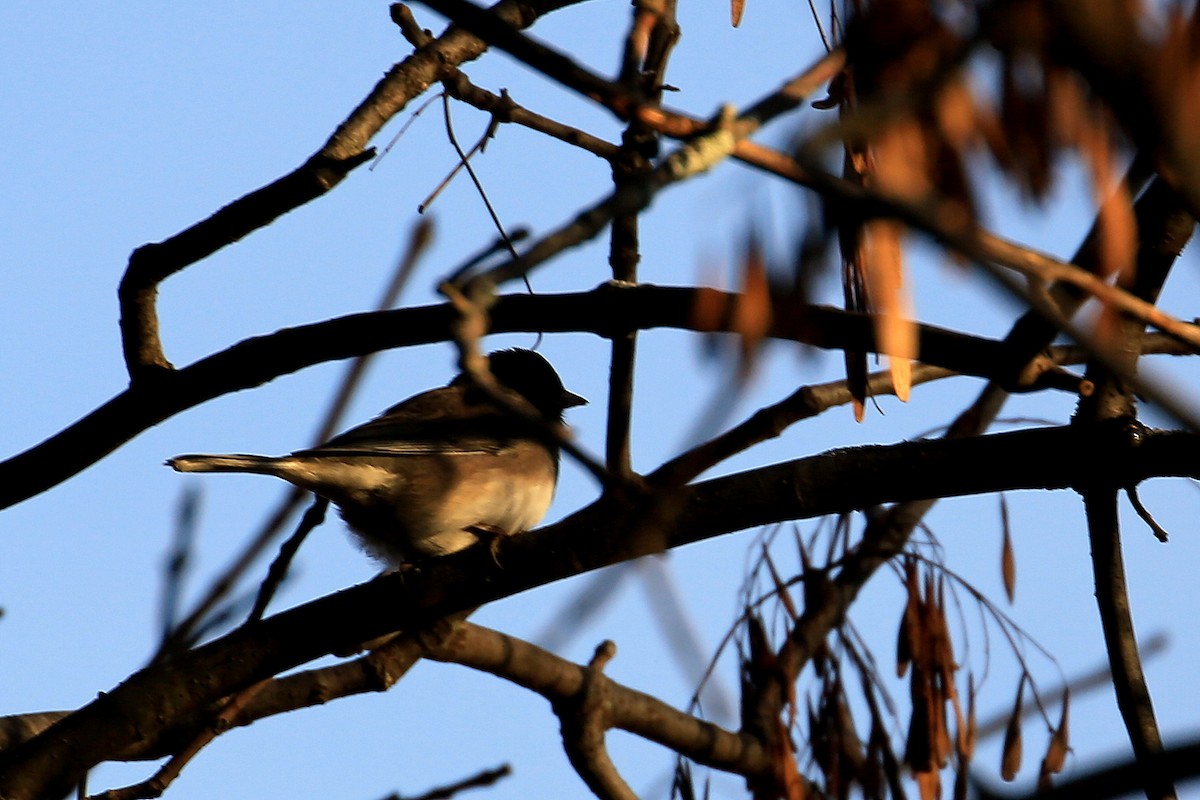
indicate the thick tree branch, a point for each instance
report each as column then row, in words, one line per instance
column 585, row 717
column 1114, row 400
column 151, row 701
column 979, row 245
column 1116, row 618
column 607, row 311
column 563, row 683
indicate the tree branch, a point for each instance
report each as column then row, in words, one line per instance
column 151, row 264
column 562, row 683
column 261, row 359
column 1114, row 400
column 152, row 700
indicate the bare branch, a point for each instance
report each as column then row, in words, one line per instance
column 150, row 701
column 259, row 360
column 563, row 683
column 346, row 149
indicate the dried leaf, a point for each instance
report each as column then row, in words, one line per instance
column 955, row 112
column 752, row 315
column 909, row 621
column 736, row 8
column 786, row 771
column 1010, row 763
column 918, row 745
column 1008, row 560
column 967, row 740
column 941, row 672
column 1056, row 751
column 894, row 328
column 1115, row 224
column 929, row 784
column 1067, row 107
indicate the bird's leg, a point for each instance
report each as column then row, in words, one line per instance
column 491, row 535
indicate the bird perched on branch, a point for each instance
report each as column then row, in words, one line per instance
column 440, row 470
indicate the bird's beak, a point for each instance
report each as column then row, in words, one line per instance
column 570, row 399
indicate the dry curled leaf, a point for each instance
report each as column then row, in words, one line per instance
column 901, row 156
column 736, row 9
column 1008, row 560
column 1010, row 763
column 752, row 315
column 954, row 110
column 1056, row 751
column 929, row 784
column 894, row 328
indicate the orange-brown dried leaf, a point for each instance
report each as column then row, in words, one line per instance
column 1008, row 559
column 918, row 745
column 752, row 316
column 1070, row 119
column 941, row 677
column 787, row 774
column 964, row 745
column 954, row 111
column 1056, row 751
column 906, row 641
column 1010, row 762
column 1117, row 224
column 736, row 8
column 929, row 784
column 1117, row 229
column 942, row 745
column 965, row 726
column 895, row 330
column 902, row 160
column 945, row 648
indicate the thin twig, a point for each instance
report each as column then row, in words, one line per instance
column 278, row 570
column 488, row 777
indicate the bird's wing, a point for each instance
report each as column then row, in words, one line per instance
column 440, row 421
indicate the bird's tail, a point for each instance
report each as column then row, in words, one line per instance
column 234, row 462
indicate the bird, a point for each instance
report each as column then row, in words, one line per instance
column 438, row 472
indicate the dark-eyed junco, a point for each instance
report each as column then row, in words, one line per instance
column 435, row 472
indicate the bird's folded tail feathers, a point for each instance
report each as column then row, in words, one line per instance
column 234, row 462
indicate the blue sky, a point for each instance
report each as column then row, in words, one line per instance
column 125, row 124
